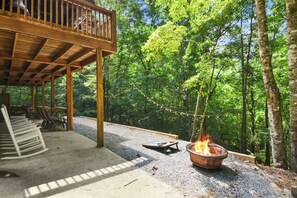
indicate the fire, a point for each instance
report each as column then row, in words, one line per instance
column 201, row 146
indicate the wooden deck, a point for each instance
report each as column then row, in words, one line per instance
column 40, row 38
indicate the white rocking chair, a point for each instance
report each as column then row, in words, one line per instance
column 23, row 140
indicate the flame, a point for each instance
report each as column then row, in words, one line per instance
column 201, row 146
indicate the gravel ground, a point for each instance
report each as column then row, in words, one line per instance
column 234, row 179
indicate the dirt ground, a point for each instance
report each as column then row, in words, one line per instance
column 282, row 178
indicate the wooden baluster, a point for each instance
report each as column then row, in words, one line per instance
column 72, row 14
column 105, row 29
column 108, row 27
column 3, row 5
column 79, row 22
column 91, row 19
column 38, row 12
column 57, row 13
column 113, row 28
column 104, row 26
column 32, row 9
column 101, row 25
column 25, row 10
column 44, row 11
column 67, row 14
column 86, row 21
column 76, row 21
column 51, row 12
column 96, row 23
column 62, row 13
column 10, row 7
column 18, row 7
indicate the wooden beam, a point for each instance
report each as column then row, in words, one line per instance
column 58, row 55
column 32, row 98
column 14, row 44
column 100, row 113
column 69, row 98
column 42, row 95
column 36, row 54
column 52, row 92
column 89, row 60
column 63, row 51
column 18, row 25
column 40, row 48
column 61, row 71
column 92, row 59
column 24, row 79
column 78, row 55
column 13, row 54
column 40, row 61
column 53, row 71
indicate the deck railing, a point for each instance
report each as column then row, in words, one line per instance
column 73, row 15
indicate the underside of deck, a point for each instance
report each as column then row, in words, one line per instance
column 34, row 50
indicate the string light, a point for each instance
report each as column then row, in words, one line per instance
column 178, row 113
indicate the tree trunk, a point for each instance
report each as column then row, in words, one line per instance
column 252, row 113
column 272, row 92
column 209, row 93
column 291, row 6
column 267, row 139
column 244, row 94
column 195, row 120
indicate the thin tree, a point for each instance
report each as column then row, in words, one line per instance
column 244, row 75
column 272, row 91
column 291, row 6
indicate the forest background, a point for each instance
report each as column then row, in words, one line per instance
column 173, row 62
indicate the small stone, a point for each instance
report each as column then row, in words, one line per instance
column 275, row 187
column 294, row 191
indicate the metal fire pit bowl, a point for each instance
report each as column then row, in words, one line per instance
column 205, row 161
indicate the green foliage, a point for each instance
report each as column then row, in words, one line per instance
column 168, row 51
column 166, row 39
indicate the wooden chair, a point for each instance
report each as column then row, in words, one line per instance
column 24, row 141
column 54, row 121
column 45, row 121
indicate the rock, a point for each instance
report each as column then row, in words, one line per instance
column 275, row 187
column 294, row 191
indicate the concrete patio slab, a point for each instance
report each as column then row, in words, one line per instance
column 72, row 164
column 133, row 184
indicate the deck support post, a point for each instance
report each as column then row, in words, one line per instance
column 42, row 94
column 32, row 98
column 52, row 92
column 69, row 97
column 100, row 113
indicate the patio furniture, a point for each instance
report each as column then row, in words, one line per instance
column 18, row 121
column 51, row 121
column 45, row 121
column 22, row 141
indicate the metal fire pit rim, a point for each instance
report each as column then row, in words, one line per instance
column 207, row 156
